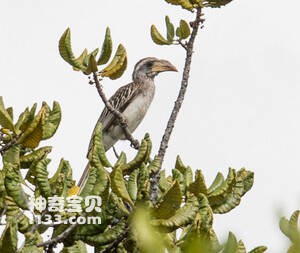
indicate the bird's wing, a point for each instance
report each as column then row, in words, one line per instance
column 120, row 100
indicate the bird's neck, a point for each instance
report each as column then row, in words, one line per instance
column 147, row 87
column 143, row 79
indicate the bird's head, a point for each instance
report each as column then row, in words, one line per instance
column 149, row 67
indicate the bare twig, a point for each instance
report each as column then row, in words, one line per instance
column 184, row 83
column 7, row 146
column 115, row 152
column 119, row 116
column 154, row 182
column 184, row 45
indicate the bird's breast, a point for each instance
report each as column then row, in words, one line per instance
column 136, row 111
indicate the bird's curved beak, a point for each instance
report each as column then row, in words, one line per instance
column 163, row 65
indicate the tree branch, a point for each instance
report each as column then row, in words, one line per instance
column 119, row 116
column 60, row 237
column 7, row 146
column 154, row 182
column 184, row 83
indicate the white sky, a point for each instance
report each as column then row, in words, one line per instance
column 242, row 105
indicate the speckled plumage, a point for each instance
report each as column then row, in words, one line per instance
column 132, row 100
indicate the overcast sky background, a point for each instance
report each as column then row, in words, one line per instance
column 241, row 109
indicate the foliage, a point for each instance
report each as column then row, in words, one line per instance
column 180, row 220
column 185, row 201
column 291, row 229
column 87, row 62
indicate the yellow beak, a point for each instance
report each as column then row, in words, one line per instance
column 163, row 65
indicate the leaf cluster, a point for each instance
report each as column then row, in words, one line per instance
column 182, row 32
column 191, row 5
column 88, row 62
column 180, row 220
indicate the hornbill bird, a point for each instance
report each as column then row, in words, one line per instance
column 132, row 100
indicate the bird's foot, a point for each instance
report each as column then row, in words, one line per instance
column 135, row 144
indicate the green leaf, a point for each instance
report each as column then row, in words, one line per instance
column 188, row 176
column 140, row 157
column 294, row 219
column 133, row 184
column 34, row 132
column 36, row 155
column 228, row 195
column 178, row 176
column 157, row 37
column 42, row 181
column 290, row 228
column 183, row 216
column 149, row 148
column 62, row 181
column 118, row 185
column 169, row 203
column 259, row 249
column 179, row 165
column 199, row 185
column 143, row 184
column 13, row 214
column 170, row 29
column 216, row 183
column 122, row 159
column 13, row 186
column 241, row 247
column 231, row 244
column 86, row 60
column 24, row 117
column 97, row 151
column 11, row 156
column 120, row 71
column 149, row 240
column 102, row 180
column 5, row 119
column 90, row 182
column 78, row 247
column 247, row 178
column 30, row 243
column 183, row 31
column 164, row 184
column 81, row 58
column 25, row 120
column 106, row 48
column 108, row 236
column 185, row 4
column 65, row 49
column 10, row 111
column 9, row 239
column 216, row 3
column 154, row 165
column 52, row 120
column 117, row 65
column 92, row 66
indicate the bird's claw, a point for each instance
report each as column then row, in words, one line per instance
column 135, row 144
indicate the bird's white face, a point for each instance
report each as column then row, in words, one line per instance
column 149, row 67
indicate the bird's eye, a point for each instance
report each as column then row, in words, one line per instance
column 149, row 64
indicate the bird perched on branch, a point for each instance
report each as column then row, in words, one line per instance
column 132, row 100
